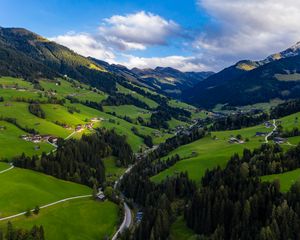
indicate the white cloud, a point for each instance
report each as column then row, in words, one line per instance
column 85, row 45
column 248, row 29
column 181, row 63
column 138, row 30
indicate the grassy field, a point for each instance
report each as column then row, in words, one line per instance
column 10, row 136
column 22, row 189
column 149, row 102
column 208, row 153
column 291, row 121
column 19, row 111
column 77, row 219
column 60, row 113
column 286, row 179
column 180, row 231
column 15, row 82
column 4, row 166
column 112, row 172
column 128, row 110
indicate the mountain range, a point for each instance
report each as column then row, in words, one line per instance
column 249, row 82
column 28, row 55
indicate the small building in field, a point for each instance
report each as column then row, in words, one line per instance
column 101, row 195
column 280, row 140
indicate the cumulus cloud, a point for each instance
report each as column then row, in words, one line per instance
column 181, row 63
column 248, row 29
column 138, row 30
column 85, row 44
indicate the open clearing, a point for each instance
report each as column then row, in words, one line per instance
column 77, row 219
column 24, row 189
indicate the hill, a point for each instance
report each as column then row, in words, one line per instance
column 250, row 82
column 165, row 80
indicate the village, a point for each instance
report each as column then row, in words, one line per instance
column 37, row 138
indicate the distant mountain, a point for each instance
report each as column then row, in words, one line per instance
column 249, row 82
column 26, row 54
column 166, row 80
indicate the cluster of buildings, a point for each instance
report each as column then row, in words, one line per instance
column 36, row 138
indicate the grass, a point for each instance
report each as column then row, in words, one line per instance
column 111, row 170
column 180, row 231
column 60, row 113
column 4, row 166
column 77, row 219
column 291, row 121
column 149, row 102
column 179, row 104
column 128, row 110
column 286, row 179
column 19, row 110
column 12, row 82
column 175, row 123
column 208, row 153
column 13, row 94
column 22, row 189
column 10, row 136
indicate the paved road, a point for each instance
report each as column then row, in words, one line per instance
column 127, row 212
column 270, row 134
column 6, row 170
column 45, row 206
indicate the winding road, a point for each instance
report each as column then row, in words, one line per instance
column 127, row 212
column 45, row 206
column 270, row 134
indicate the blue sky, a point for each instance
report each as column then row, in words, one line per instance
column 189, row 35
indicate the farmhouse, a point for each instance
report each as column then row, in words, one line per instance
column 261, row 134
column 100, row 195
column 233, row 140
column 280, row 140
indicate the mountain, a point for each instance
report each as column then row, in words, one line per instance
column 26, row 54
column 249, row 82
column 170, row 80
column 165, row 80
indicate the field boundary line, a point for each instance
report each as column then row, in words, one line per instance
column 46, row 206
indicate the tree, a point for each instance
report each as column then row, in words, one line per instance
column 36, row 210
column 95, row 191
column 28, row 213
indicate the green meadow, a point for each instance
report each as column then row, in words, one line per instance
column 22, row 189
column 180, row 231
column 210, row 152
column 149, row 102
column 286, row 179
column 77, row 219
column 19, row 111
column 128, row 110
column 10, row 136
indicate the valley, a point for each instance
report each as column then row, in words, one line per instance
column 92, row 150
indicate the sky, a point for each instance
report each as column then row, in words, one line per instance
column 190, row 35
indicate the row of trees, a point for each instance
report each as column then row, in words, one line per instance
column 12, row 233
column 286, row 108
column 238, row 121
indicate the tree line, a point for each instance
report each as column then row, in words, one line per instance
column 12, row 233
column 81, row 160
column 233, row 203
